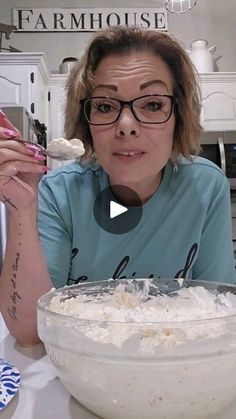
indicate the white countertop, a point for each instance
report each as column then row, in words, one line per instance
column 41, row 395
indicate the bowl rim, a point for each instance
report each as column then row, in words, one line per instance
column 213, row 286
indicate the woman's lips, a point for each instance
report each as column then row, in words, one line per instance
column 129, row 152
column 129, row 155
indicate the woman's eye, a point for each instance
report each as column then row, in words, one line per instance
column 104, row 107
column 154, row 106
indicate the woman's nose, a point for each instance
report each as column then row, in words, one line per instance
column 127, row 124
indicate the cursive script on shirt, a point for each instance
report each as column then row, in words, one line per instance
column 121, row 267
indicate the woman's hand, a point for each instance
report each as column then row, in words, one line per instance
column 20, row 168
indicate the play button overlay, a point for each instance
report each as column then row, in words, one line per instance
column 116, row 209
column 114, row 216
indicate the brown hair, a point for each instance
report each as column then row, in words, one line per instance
column 121, row 40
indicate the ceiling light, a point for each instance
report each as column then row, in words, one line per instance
column 179, row 6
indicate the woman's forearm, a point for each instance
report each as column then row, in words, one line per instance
column 24, row 278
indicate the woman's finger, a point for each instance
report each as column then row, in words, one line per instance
column 6, row 133
column 18, row 152
column 7, row 129
column 30, row 149
column 14, row 167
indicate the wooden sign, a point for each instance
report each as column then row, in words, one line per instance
column 86, row 20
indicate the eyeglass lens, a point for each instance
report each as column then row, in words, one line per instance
column 150, row 109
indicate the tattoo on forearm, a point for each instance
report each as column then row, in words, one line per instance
column 8, row 201
column 14, row 295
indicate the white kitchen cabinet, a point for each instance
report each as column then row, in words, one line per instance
column 218, row 92
column 24, row 82
column 57, row 100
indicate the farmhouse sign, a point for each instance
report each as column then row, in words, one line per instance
column 86, row 20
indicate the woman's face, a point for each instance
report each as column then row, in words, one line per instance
column 133, row 153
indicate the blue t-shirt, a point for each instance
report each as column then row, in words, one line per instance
column 185, row 229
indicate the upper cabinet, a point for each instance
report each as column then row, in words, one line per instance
column 24, row 82
column 218, row 92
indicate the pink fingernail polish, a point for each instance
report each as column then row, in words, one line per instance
column 9, row 132
column 2, row 114
column 45, row 168
column 33, row 147
column 31, row 153
column 39, row 157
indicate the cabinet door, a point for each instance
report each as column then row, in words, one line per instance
column 39, row 107
column 15, row 87
column 56, row 113
column 219, row 112
column 57, row 109
column 219, row 102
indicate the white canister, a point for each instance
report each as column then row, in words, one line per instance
column 67, row 64
column 202, row 56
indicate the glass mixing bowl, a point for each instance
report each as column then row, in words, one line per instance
column 151, row 370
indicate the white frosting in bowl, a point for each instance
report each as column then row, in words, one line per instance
column 160, row 319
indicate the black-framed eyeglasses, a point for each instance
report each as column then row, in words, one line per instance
column 148, row 109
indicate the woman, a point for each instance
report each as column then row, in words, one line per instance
column 133, row 100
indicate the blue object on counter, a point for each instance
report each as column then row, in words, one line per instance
column 9, row 382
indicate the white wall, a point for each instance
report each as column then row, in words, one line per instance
column 214, row 20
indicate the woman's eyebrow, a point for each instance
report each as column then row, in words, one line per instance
column 107, row 86
column 150, row 82
column 142, row 86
